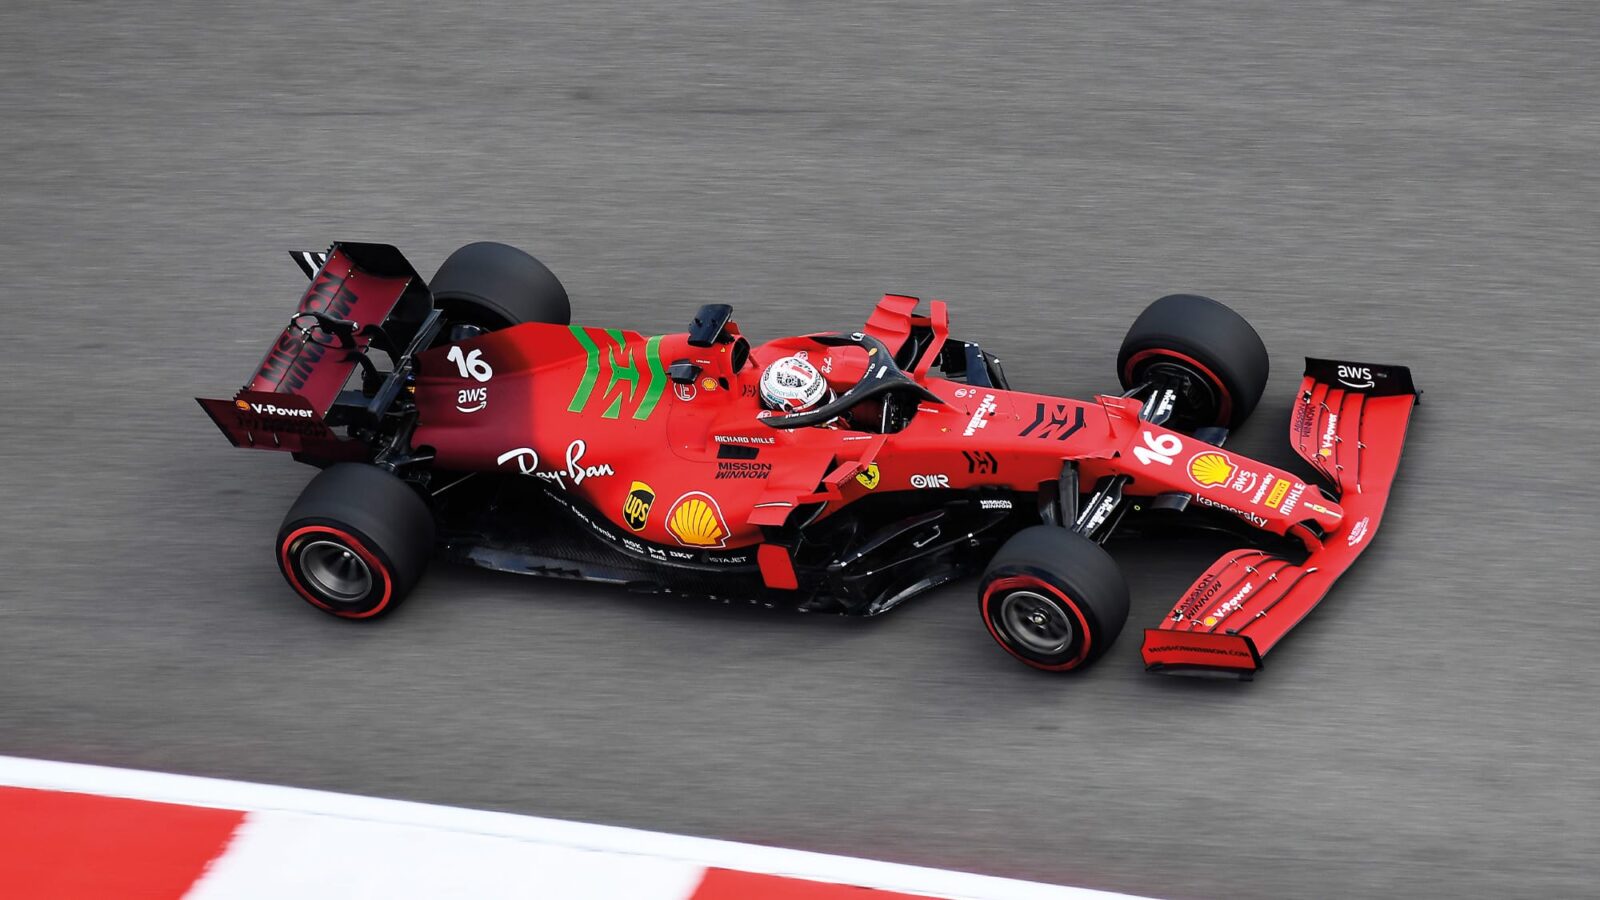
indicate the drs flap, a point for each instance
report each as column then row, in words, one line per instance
column 353, row 292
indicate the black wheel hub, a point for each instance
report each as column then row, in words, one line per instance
column 1199, row 401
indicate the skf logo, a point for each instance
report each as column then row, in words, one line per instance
column 869, row 477
column 1210, row 469
column 636, row 509
column 696, row 521
column 1357, row 377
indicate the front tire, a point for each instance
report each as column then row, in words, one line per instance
column 1203, row 341
column 493, row 286
column 1053, row 599
column 356, row 541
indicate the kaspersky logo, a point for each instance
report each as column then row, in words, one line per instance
column 612, row 365
column 270, row 409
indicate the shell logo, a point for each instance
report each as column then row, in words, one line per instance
column 696, row 521
column 1210, row 469
column 241, row 404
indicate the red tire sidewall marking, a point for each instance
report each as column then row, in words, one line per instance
column 349, row 540
column 1013, row 582
column 1227, row 398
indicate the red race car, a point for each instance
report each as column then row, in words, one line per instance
column 464, row 417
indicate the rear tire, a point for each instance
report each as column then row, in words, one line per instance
column 1053, row 599
column 494, row 286
column 1205, row 340
column 356, row 541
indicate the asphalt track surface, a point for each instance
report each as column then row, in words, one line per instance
column 1408, row 183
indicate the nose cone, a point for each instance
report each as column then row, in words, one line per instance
column 1328, row 514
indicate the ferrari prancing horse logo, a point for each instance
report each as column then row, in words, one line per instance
column 868, row 476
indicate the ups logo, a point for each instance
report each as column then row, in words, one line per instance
column 636, row 509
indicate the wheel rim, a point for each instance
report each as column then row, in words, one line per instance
column 1035, row 622
column 1147, row 364
column 1198, row 391
column 335, row 571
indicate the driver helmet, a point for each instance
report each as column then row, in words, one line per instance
column 793, row 385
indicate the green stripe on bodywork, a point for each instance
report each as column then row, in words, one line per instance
column 591, row 370
column 628, row 373
column 658, row 378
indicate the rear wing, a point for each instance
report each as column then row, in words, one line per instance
column 361, row 296
column 1349, row 422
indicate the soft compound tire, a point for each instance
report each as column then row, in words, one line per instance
column 495, row 286
column 1066, row 580
column 353, row 520
column 1205, row 337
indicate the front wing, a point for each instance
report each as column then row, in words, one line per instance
column 1350, row 423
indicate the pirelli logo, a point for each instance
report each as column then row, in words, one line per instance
column 1278, row 490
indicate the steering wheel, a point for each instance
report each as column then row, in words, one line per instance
column 881, row 379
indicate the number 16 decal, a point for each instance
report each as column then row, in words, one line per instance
column 1158, row 448
column 471, row 365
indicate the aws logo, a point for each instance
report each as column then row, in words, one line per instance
column 636, row 508
column 471, row 400
column 1357, row 377
column 869, row 477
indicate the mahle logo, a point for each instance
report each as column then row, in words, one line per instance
column 609, row 353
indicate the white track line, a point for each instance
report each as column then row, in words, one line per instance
column 217, row 793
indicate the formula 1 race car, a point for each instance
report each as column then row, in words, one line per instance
column 465, row 418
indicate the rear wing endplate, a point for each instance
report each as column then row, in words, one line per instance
column 356, row 290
